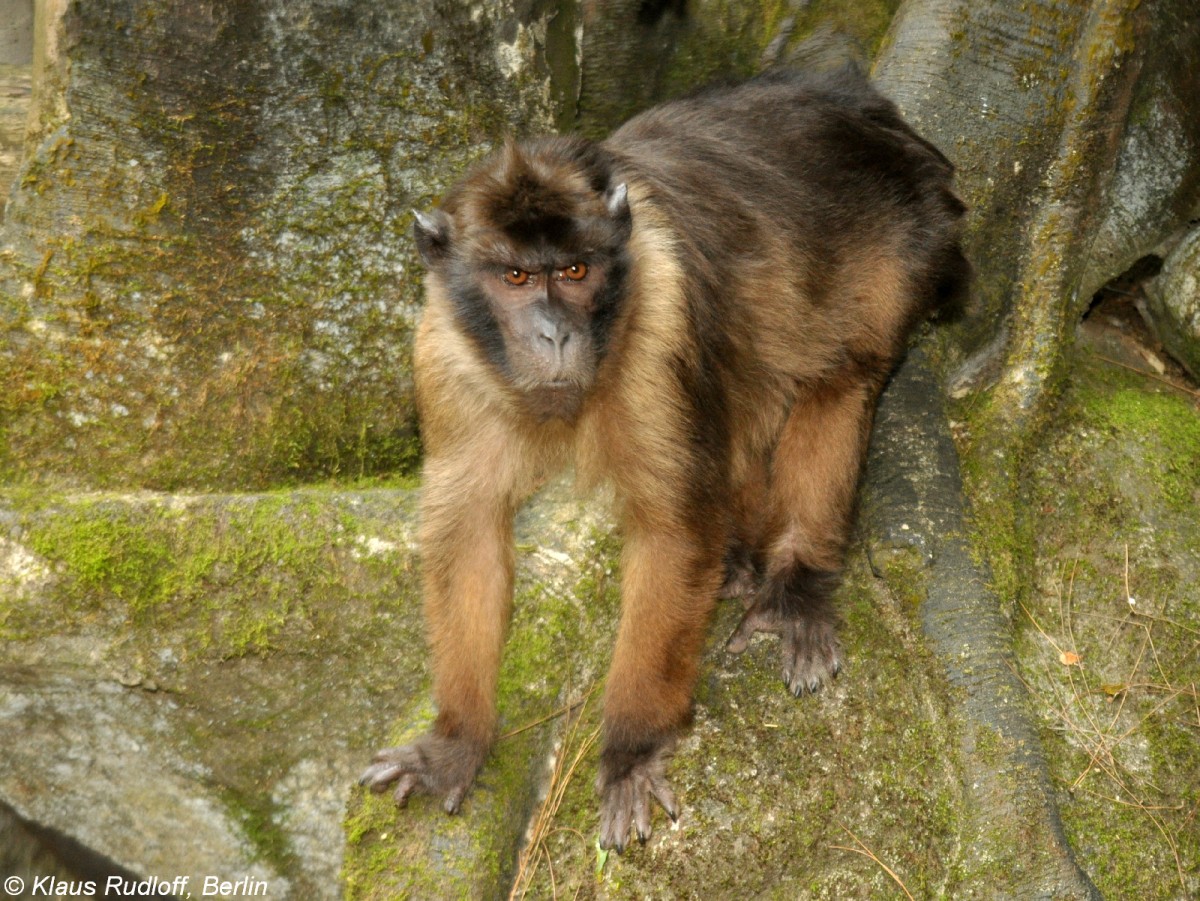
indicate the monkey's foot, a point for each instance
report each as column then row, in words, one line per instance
column 627, row 782
column 432, row 765
column 811, row 652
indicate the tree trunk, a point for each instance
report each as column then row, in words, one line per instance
column 1074, row 133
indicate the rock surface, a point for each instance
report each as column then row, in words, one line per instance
column 1174, row 300
column 207, row 675
column 189, row 687
column 16, row 86
column 206, row 278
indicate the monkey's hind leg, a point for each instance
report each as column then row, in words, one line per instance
column 744, row 564
column 814, row 475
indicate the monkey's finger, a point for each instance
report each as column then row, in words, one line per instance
column 404, row 788
column 811, row 658
column 641, row 812
column 664, row 796
column 755, row 620
column 614, row 816
column 389, row 765
column 404, row 754
column 740, row 639
column 809, row 676
column 379, row 776
column 612, row 837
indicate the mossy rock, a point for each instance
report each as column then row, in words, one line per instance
column 206, row 277
column 1107, row 636
column 227, row 665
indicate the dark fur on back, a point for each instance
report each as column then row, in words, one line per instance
column 811, row 152
column 821, row 165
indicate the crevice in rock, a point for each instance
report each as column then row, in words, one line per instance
column 1128, row 286
column 43, row 857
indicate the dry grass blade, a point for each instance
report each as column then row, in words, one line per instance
column 869, row 854
column 552, row 715
column 1170, row 383
column 575, row 747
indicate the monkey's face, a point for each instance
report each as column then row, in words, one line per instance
column 545, row 315
column 530, row 251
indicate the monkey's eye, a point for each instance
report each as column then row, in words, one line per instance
column 516, row 277
column 576, row 272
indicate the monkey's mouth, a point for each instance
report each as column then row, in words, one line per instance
column 555, row 399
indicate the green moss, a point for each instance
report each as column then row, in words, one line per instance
column 1167, row 429
column 867, row 23
column 182, row 568
column 724, row 39
column 904, row 572
column 257, row 816
column 243, row 616
column 990, row 472
column 212, row 393
column 1113, row 493
column 106, row 553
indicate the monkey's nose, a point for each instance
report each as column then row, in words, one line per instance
column 552, row 338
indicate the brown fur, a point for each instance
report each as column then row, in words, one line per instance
column 756, row 259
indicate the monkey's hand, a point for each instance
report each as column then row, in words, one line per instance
column 811, row 652
column 433, row 765
column 627, row 782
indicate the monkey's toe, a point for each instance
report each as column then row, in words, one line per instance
column 812, row 656
column 625, row 799
column 406, row 785
column 756, row 619
column 811, row 652
column 400, row 766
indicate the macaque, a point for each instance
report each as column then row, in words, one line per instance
column 701, row 310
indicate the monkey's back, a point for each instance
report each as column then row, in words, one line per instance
column 805, row 206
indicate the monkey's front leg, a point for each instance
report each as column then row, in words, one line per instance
column 467, row 560
column 669, row 588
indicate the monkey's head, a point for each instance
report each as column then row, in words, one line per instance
column 530, row 250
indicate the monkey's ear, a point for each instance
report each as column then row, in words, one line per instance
column 616, row 198
column 432, row 233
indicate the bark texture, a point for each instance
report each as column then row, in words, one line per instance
column 1077, row 155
